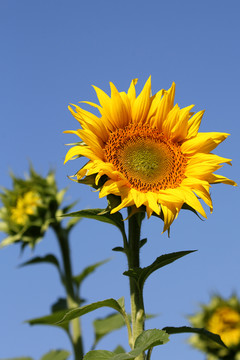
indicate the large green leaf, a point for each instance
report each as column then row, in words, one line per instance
column 64, row 316
column 115, row 321
column 186, row 329
column 56, row 355
column 101, row 215
column 147, row 340
column 78, row 279
column 141, row 274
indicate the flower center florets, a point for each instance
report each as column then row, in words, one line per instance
column 144, row 155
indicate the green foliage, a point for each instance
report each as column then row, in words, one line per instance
column 78, row 279
column 141, row 274
column 147, row 340
column 49, row 259
column 106, row 325
column 103, row 216
column 64, row 316
column 51, row 355
column 59, row 305
column 56, row 355
column 186, row 329
column 119, row 349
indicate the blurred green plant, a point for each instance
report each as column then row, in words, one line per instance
column 29, row 209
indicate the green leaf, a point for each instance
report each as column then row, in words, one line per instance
column 141, row 274
column 56, row 355
column 119, row 349
column 78, row 279
column 118, row 248
column 186, row 329
column 106, row 325
column 148, row 339
column 49, row 258
column 100, row 215
column 98, row 355
column 64, row 316
column 143, row 242
column 145, row 341
column 60, row 304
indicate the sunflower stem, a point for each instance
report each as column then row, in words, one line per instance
column 137, row 304
column 72, row 296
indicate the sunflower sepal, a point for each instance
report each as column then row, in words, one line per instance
column 189, row 208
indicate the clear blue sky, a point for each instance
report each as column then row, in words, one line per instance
column 51, row 52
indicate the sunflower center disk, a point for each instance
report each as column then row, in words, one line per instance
column 145, row 160
column 148, row 160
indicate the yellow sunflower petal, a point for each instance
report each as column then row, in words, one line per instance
column 180, row 129
column 77, row 151
column 169, row 215
column 203, row 143
column 142, row 104
column 194, row 124
column 192, row 201
column 165, row 105
column 119, row 111
column 138, row 197
column 215, row 179
column 93, row 142
column 112, row 187
column 126, row 202
column 132, row 91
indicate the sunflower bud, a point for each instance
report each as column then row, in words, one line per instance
column 220, row 317
column 30, row 208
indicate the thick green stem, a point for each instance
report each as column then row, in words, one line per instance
column 137, row 305
column 76, row 335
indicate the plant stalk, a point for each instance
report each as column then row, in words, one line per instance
column 76, row 334
column 137, row 304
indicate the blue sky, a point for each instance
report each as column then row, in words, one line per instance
column 51, row 54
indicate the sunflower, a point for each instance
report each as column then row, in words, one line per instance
column 149, row 150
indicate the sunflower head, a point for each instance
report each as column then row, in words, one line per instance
column 29, row 207
column 148, row 151
column 221, row 317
